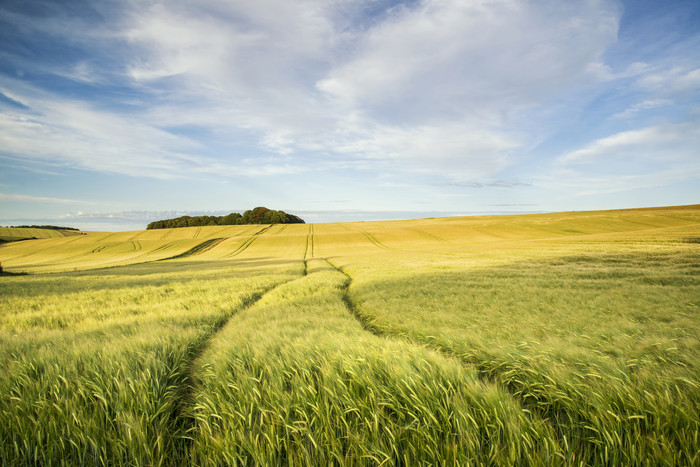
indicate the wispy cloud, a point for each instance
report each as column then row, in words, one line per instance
column 473, row 94
column 488, row 184
column 650, row 157
column 669, row 144
column 19, row 198
column 318, row 77
column 643, row 106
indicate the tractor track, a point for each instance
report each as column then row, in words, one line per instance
column 369, row 324
column 308, row 249
column 248, row 242
column 374, row 240
column 182, row 410
column 206, row 245
column 431, row 236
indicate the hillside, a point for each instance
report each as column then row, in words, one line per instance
column 547, row 339
column 13, row 234
column 64, row 251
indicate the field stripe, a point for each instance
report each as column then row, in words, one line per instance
column 107, row 236
column 206, row 245
column 368, row 323
column 308, row 248
column 104, row 247
column 183, row 410
column 312, row 240
column 430, row 236
column 371, row 238
column 248, row 242
column 374, row 240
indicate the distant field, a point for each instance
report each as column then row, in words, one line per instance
column 565, row 339
column 11, row 234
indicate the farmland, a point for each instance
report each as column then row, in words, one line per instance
column 561, row 339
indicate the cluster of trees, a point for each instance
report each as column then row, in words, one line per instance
column 259, row 215
column 51, row 227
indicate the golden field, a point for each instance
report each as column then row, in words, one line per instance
column 565, row 338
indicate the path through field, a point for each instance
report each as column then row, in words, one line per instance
column 546, row 339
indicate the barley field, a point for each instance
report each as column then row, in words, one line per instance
column 547, row 339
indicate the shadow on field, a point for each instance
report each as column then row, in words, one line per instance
column 8, row 273
column 153, row 274
column 246, row 266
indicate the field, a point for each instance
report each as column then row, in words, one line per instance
column 8, row 234
column 548, row 339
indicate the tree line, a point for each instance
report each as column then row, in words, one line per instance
column 50, row 227
column 259, row 215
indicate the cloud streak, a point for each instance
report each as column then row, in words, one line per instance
column 379, row 95
column 19, row 198
column 304, row 78
column 676, row 143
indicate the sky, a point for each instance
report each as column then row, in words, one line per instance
column 117, row 113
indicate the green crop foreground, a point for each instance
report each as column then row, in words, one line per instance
column 552, row 339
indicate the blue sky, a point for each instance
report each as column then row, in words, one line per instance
column 117, row 113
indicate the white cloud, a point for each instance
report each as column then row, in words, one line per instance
column 656, row 156
column 474, row 59
column 582, row 185
column 429, row 88
column 19, row 198
column 676, row 81
column 667, row 143
column 643, row 106
column 64, row 132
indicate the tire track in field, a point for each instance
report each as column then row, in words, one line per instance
column 248, row 242
column 309, row 248
column 159, row 249
column 103, row 247
column 430, row 236
column 182, row 412
column 244, row 232
column 311, row 240
column 374, row 240
column 106, row 237
column 371, row 238
column 485, row 231
column 366, row 322
column 198, row 249
column 369, row 324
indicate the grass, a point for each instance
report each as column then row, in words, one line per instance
column 13, row 234
column 603, row 347
column 95, row 366
column 295, row 379
column 564, row 339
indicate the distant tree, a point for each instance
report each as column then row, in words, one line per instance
column 258, row 215
column 292, row 219
column 50, row 227
column 232, row 219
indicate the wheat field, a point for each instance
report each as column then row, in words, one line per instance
column 546, row 339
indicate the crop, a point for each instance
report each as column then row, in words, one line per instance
column 564, row 339
column 95, row 367
column 296, row 378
